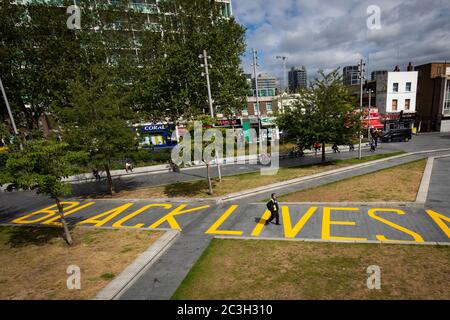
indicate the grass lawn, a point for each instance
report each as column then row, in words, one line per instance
column 261, row 269
column 34, row 260
column 399, row 183
column 230, row 184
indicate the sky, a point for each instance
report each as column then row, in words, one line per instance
column 326, row 34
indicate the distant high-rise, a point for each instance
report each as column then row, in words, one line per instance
column 374, row 74
column 297, row 78
column 351, row 75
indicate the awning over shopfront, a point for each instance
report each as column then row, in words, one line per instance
column 374, row 123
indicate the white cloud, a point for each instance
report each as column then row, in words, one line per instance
column 330, row 33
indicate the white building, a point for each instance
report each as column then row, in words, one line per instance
column 396, row 92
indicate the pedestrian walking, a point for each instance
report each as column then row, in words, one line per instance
column 317, row 147
column 96, row 174
column 274, row 209
column 128, row 166
column 335, row 148
column 373, row 145
column 351, row 147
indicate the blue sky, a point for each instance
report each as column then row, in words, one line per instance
column 327, row 34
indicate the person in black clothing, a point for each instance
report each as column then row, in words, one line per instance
column 274, row 209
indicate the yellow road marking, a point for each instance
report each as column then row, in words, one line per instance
column 51, row 221
column 327, row 222
column 261, row 223
column 290, row 232
column 119, row 224
column 51, row 211
column 107, row 216
column 214, row 229
column 169, row 218
column 437, row 217
column 417, row 237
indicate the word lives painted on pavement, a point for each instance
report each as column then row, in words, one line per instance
column 330, row 223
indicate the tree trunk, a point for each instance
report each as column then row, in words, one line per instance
column 209, row 179
column 110, row 181
column 323, row 152
column 64, row 223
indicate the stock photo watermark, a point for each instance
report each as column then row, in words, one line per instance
column 373, row 22
column 208, row 147
column 374, row 280
column 74, row 20
column 74, row 279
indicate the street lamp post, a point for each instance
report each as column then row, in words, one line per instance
column 361, row 78
column 368, row 119
column 13, row 123
column 254, row 65
column 207, row 66
column 283, row 58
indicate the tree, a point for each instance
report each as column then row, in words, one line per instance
column 323, row 113
column 98, row 121
column 40, row 166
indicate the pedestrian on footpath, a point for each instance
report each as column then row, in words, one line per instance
column 274, row 209
column 128, row 166
column 316, row 147
column 373, row 145
column 96, row 174
column 351, row 147
column 335, row 148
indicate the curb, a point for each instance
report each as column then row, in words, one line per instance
column 358, row 204
column 426, row 243
column 141, row 264
column 422, row 194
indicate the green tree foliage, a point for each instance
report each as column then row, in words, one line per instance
column 41, row 165
column 98, row 121
column 323, row 113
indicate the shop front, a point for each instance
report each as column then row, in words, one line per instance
column 156, row 135
column 399, row 120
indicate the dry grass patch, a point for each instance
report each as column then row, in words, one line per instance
column 400, row 183
column 236, row 183
column 34, row 260
column 252, row 269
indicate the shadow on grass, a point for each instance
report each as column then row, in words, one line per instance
column 24, row 236
column 187, row 189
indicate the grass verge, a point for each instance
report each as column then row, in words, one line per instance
column 236, row 183
column 257, row 269
column 34, row 260
column 400, row 183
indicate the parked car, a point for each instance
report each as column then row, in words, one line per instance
column 397, row 135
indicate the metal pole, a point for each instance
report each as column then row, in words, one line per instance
column 205, row 64
column 360, row 105
column 368, row 122
column 9, row 109
column 257, row 94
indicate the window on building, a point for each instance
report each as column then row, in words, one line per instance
column 256, row 109
column 269, row 107
column 446, row 109
column 394, row 104
column 408, row 87
column 407, row 104
column 245, row 111
column 395, row 87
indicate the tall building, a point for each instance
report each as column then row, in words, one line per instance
column 267, row 85
column 374, row 74
column 433, row 96
column 351, row 75
column 297, row 78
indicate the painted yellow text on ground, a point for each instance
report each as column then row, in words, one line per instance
column 327, row 222
column 119, row 224
column 169, row 218
column 214, row 229
column 102, row 218
column 289, row 231
column 439, row 219
column 417, row 237
column 49, row 211
column 52, row 221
